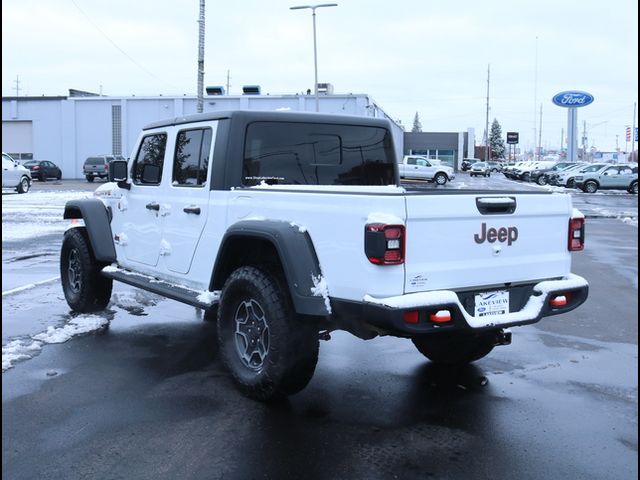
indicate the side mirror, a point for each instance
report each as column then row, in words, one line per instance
column 118, row 173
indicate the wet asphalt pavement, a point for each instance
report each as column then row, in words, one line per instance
column 147, row 397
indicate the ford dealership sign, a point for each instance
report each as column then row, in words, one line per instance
column 573, row 99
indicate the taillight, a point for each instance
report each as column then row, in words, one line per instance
column 106, row 167
column 576, row 234
column 384, row 244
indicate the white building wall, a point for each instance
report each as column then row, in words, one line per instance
column 68, row 130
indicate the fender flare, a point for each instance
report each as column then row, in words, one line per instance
column 97, row 221
column 296, row 253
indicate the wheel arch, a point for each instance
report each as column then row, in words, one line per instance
column 97, row 221
column 284, row 246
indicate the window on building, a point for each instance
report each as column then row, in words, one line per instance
column 147, row 168
column 191, row 159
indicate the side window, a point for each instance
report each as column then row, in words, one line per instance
column 147, row 168
column 191, row 159
column 423, row 163
column 411, row 161
column 611, row 171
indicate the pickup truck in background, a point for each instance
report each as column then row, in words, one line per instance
column 423, row 168
column 287, row 226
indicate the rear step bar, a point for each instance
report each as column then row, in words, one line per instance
column 165, row 289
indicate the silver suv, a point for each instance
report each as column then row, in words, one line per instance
column 98, row 166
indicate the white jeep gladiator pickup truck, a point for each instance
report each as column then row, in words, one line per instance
column 287, row 226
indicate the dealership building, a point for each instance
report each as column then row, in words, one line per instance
column 68, row 129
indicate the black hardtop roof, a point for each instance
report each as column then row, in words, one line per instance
column 247, row 116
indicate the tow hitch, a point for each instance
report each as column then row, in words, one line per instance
column 503, row 337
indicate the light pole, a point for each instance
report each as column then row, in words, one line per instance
column 315, row 50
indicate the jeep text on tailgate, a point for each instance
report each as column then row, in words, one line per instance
column 287, row 226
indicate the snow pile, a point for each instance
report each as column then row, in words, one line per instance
column 385, row 218
column 300, row 228
column 208, row 297
column 76, row 326
column 23, row 349
column 18, row 350
column 320, row 289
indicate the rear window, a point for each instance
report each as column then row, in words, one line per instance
column 94, row 161
column 283, row 153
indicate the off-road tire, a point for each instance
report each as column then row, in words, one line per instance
column 455, row 348
column 85, row 288
column 284, row 356
column 633, row 188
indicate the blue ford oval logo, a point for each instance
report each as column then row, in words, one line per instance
column 572, row 99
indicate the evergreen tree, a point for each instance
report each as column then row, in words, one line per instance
column 496, row 141
column 417, row 126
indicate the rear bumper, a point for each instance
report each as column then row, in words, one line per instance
column 386, row 315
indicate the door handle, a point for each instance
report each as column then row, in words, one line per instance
column 153, row 206
column 192, row 209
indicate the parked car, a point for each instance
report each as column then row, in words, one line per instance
column 566, row 178
column 15, row 175
column 467, row 162
column 609, row 177
column 98, row 166
column 539, row 175
column 480, row 168
column 495, row 167
column 43, row 169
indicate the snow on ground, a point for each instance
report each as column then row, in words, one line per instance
column 35, row 213
column 21, row 349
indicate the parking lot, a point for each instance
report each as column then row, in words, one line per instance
column 138, row 391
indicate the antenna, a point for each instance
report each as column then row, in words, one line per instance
column 535, row 95
column 17, row 87
column 228, row 84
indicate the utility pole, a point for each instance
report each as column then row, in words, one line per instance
column 633, row 131
column 535, row 97
column 584, row 139
column 201, row 57
column 561, row 139
column 617, row 147
column 17, row 87
column 486, row 124
column 540, row 134
column 228, row 84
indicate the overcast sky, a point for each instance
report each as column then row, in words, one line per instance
column 420, row 56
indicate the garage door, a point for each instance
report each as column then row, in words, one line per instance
column 17, row 139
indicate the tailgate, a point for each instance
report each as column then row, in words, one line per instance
column 476, row 240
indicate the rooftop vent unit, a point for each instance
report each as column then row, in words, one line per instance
column 215, row 90
column 251, row 90
column 325, row 89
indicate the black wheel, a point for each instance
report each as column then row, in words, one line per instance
column 269, row 350
column 542, row 180
column 526, row 177
column 85, row 289
column 42, row 177
column 440, row 178
column 455, row 348
column 590, row 187
column 571, row 183
column 59, row 176
column 633, row 188
column 89, row 178
column 24, row 185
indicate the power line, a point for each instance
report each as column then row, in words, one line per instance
column 120, row 49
